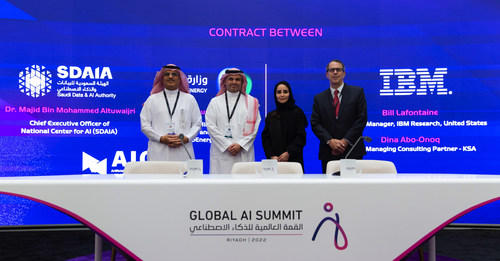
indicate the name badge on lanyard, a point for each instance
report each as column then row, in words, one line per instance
column 171, row 124
column 170, row 128
column 230, row 127
column 229, row 131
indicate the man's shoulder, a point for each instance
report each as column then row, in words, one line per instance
column 215, row 98
column 155, row 96
column 187, row 95
column 250, row 97
column 324, row 93
column 353, row 88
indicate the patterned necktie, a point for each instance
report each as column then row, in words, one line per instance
column 336, row 103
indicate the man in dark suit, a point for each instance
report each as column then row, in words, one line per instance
column 338, row 117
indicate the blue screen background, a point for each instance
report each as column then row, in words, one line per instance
column 133, row 39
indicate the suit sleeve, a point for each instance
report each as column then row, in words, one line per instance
column 316, row 122
column 361, row 118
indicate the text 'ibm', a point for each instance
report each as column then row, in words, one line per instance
column 406, row 85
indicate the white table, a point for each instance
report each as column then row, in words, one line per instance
column 160, row 217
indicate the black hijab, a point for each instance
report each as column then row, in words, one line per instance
column 288, row 113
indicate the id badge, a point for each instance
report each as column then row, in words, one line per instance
column 170, row 128
column 229, row 132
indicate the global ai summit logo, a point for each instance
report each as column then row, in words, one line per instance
column 339, row 244
column 35, row 81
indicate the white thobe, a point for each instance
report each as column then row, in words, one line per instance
column 154, row 120
column 216, row 117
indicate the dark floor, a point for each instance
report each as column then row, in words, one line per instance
column 46, row 245
column 469, row 244
column 78, row 244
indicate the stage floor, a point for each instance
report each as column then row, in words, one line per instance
column 451, row 243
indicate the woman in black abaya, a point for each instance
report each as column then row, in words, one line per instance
column 284, row 134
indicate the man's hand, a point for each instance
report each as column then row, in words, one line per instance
column 338, row 146
column 171, row 140
column 234, row 149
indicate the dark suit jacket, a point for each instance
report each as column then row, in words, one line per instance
column 349, row 125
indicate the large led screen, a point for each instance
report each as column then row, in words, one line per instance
column 74, row 76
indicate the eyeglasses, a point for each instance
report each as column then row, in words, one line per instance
column 335, row 70
column 173, row 74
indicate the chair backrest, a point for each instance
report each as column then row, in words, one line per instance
column 367, row 167
column 254, row 167
column 153, row 167
column 290, row 168
column 246, row 167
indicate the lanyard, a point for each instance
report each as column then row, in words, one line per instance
column 171, row 113
column 229, row 116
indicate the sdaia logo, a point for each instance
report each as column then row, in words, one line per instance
column 36, row 80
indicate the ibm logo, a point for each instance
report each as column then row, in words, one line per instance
column 406, row 82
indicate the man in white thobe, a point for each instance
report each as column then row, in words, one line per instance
column 233, row 120
column 168, row 112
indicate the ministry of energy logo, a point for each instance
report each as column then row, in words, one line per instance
column 35, row 81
